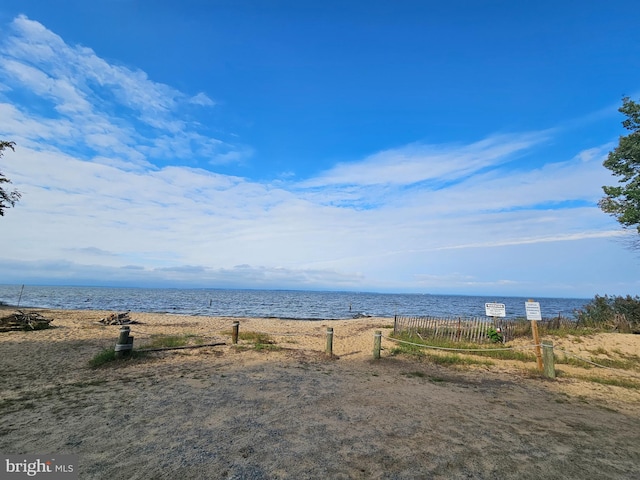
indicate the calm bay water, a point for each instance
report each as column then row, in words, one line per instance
column 272, row 303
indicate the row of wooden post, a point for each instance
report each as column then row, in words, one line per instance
column 544, row 356
column 125, row 341
column 377, row 343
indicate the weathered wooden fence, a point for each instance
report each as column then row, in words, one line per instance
column 455, row 329
column 475, row 329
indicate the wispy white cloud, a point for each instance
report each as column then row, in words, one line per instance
column 96, row 106
column 176, row 216
column 416, row 163
column 539, row 239
column 179, row 216
column 202, row 99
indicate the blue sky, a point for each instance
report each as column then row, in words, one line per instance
column 436, row 147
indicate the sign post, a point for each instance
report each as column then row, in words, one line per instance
column 534, row 314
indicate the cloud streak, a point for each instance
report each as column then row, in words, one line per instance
column 417, row 163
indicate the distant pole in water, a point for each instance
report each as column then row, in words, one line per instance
column 210, row 300
column 20, row 297
column 349, row 307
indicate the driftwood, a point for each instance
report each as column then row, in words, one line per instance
column 118, row 319
column 20, row 320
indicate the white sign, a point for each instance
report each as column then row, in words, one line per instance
column 495, row 309
column 533, row 310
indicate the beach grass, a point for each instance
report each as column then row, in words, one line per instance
column 168, row 341
column 603, row 358
column 610, row 381
column 616, row 382
column 259, row 340
column 420, row 346
column 107, row 356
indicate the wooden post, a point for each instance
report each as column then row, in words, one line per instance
column 549, row 360
column 329, row 349
column 234, row 332
column 125, row 343
column 377, row 344
column 536, row 341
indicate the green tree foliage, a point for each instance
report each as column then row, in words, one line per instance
column 7, row 199
column 623, row 201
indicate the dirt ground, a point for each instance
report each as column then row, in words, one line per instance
column 234, row 412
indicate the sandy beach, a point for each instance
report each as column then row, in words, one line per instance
column 290, row 411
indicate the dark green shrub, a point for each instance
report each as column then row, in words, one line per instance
column 611, row 312
column 494, row 335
